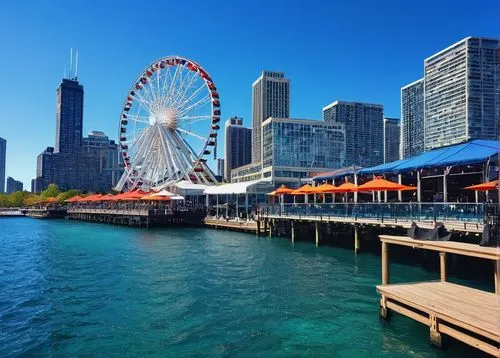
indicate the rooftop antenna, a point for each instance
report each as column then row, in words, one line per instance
column 76, row 66
column 70, row 63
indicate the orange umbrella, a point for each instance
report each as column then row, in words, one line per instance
column 156, row 198
column 304, row 189
column 325, row 188
column 73, row 199
column 347, row 187
column 380, row 184
column 283, row 190
column 492, row 185
column 273, row 193
column 134, row 195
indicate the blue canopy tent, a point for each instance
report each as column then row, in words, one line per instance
column 472, row 152
column 476, row 151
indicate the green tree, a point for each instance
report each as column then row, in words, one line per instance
column 17, row 198
column 51, row 192
column 66, row 195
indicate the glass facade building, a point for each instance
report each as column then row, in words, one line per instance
column 270, row 98
column 363, row 130
column 391, row 139
column 412, row 119
column 295, row 148
column 69, row 116
column 13, row 185
column 461, row 95
column 3, row 159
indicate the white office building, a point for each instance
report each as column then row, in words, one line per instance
column 462, row 93
column 270, row 98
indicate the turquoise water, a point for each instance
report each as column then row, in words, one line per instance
column 81, row 289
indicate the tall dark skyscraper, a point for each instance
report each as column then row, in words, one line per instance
column 87, row 164
column 69, row 116
column 237, row 146
column 3, row 155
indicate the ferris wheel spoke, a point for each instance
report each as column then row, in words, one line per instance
column 200, row 102
column 193, row 119
column 191, row 97
column 193, row 134
column 183, row 93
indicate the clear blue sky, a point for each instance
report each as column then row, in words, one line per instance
column 349, row 50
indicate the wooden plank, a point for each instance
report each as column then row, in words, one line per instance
column 466, row 249
column 408, row 313
column 471, row 309
column 474, row 342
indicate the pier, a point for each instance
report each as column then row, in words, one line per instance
column 238, row 225
column 466, row 314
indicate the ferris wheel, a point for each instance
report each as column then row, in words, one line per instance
column 168, row 125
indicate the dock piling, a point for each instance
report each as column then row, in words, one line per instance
column 385, row 263
column 316, row 225
column 356, row 239
column 442, row 265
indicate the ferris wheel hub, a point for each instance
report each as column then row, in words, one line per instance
column 166, row 116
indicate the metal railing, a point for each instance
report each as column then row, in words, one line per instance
column 462, row 212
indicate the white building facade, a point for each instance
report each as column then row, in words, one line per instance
column 462, row 93
column 270, row 98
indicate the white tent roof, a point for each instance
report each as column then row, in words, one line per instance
column 177, row 197
column 163, row 193
column 234, row 188
column 184, row 184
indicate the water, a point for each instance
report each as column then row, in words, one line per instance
column 81, row 289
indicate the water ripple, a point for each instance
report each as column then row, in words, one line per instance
column 78, row 289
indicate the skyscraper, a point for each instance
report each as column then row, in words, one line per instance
column 87, row 164
column 412, row 119
column 13, row 185
column 363, row 129
column 220, row 168
column 237, row 146
column 270, row 98
column 69, row 116
column 3, row 158
column 391, row 139
column 97, row 146
column 462, row 94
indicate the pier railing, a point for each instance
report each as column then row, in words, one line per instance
column 462, row 212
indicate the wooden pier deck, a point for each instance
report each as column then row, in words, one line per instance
column 451, row 225
column 466, row 314
column 248, row 226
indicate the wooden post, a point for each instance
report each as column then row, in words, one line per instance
column 496, row 264
column 442, row 265
column 257, row 231
column 385, row 312
column 385, row 263
column 356, row 239
column 435, row 335
column 292, row 229
column 271, row 228
column 316, row 226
